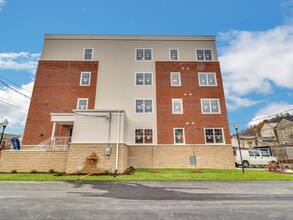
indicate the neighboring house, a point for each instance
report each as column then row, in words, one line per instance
column 268, row 130
column 245, row 141
column 158, row 100
column 284, row 130
column 6, row 141
column 252, row 141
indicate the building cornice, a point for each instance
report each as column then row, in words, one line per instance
column 128, row 37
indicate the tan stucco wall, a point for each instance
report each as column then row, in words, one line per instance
column 220, row 157
column 78, row 153
column 26, row 161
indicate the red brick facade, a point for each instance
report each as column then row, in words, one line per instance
column 57, row 90
column 191, row 93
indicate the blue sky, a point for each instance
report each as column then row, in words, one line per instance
column 254, row 39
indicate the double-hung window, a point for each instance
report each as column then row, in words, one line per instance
column 175, row 79
column 214, row 135
column 143, row 136
column 82, row 104
column 174, row 54
column 179, row 136
column 210, row 106
column 88, row 53
column 143, row 79
column 207, row 79
column 204, row 54
column 177, row 107
column 143, row 54
column 85, row 78
column 144, row 106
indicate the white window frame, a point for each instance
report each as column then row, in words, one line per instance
column 183, row 136
column 173, row 106
column 206, row 74
column 210, row 106
column 214, row 143
column 170, row 55
column 144, row 73
column 84, row 53
column 204, row 60
column 143, row 137
column 81, row 77
column 143, row 106
column 87, row 102
column 144, row 60
column 171, row 78
column 283, row 133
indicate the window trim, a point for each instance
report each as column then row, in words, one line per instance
column 183, row 135
column 83, row 58
column 223, row 134
column 171, row 79
column 210, row 113
column 152, row 54
column 144, row 136
column 144, row 78
column 206, row 73
column 153, row 106
column 173, row 109
column 204, row 55
column 87, row 102
column 80, row 82
column 170, row 58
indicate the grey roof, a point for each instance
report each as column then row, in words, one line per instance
column 273, row 125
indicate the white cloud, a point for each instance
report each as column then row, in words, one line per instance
column 23, row 61
column 252, row 62
column 270, row 110
column 15, row 116
column 2, row 3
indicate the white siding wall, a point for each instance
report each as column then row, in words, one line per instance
column 90, row 129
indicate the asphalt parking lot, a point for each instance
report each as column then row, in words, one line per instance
column 146, row 200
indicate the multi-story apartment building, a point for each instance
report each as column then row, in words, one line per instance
column 157, row 99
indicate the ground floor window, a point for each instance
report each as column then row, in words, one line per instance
column 144, row 136
column 214, row 136
column 179, row 136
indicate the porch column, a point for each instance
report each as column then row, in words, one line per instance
column 53, row 135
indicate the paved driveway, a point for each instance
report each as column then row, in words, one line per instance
column 146, row 200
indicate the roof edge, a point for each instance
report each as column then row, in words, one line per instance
column 128, row 37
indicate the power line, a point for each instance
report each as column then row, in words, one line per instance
column 14, row 84
column 262, row 117
column 13, row 105
column 13, row 102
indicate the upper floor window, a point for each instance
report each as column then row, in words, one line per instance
column 143, row 79
column 143, row 136
column 144, row 54
column 88, row 53
column 177, row 106
column 179, row 136
column 174, row 54
column 207, row 79
column 283, row 133
column 82, row 104
column 214, row 135
column 143, row 105
column 85, row 78
column 210, row 106
column 204, row 54
column 175, row 79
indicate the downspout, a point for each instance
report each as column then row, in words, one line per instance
column 117, row 145
column 109, row 134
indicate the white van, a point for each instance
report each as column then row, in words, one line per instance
column 253, row 157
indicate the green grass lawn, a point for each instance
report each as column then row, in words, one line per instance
column 161, row 175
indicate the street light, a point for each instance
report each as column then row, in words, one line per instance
column 4, row 125
column 236, row 128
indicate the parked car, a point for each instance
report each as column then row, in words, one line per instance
column 253, row 157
